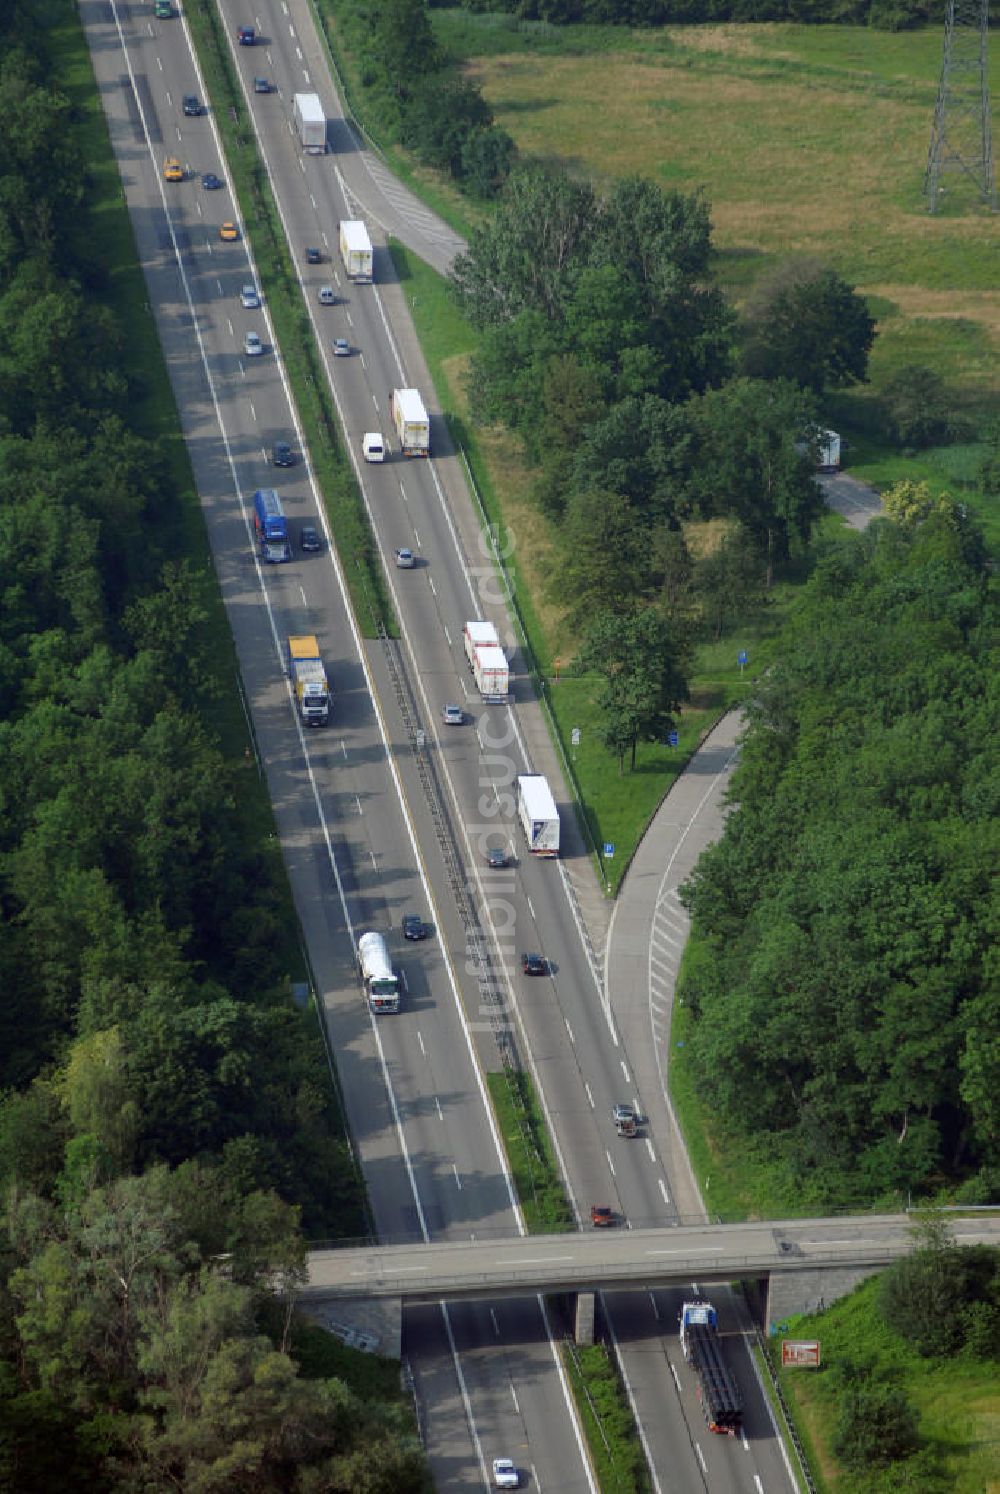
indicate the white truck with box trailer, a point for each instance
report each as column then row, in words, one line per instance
column 413, row 428
column 355, row 249
column 487, row 661
column 310, row 123
column 380, row 980
column 309, row 681
column 538, row 814
column 829, row 452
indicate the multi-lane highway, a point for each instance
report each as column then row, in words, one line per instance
column 366, row 835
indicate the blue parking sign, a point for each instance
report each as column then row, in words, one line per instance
column 673, row 738
column 609, row 850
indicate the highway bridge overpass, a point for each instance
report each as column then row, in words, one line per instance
column 807, row 1262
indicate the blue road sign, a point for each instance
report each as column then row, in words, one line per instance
column 609, row 850
column 672, row 738
column 742, row 657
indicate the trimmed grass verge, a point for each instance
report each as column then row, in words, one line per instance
column 529, row 1153
column 293, row 329
column 615, row 1449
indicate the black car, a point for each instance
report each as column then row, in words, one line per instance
column 414, row 927
column 282, row 454
column 496, row 858
column 534, row 964
column 314, row 256
column 310, row 539
column 261, row 85
column 210, row 181
column 191, row 105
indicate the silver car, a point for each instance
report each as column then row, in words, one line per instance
column 405, row 560
column 252, row 345
column 249, row 298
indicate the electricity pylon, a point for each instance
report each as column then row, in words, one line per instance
column 961, row 139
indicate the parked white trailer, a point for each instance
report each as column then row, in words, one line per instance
column 479, row 635
column 310, row 123
column 829, row 451
column 355, row 249
column 413, row 428
column 380, row 980
column 537, row 812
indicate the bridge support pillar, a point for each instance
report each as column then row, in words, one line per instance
column 375, row 1326
column 793, row 1292
column 584, row 1325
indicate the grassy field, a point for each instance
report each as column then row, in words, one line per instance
column 608, row 1423
column 806, row 139
column 957, row 1401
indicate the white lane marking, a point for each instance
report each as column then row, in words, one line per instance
column 430, row 582
column 663, row 1190
column 350, row 319
column 402, row 493
column 513, row 1396
column 218, row 283
column 590, row 1097
column 159, row 63
column 358, row 803
column 302, row 594
column 554, row 1350
column 374, row 400
column 416, row 536
column 291, row 30
column 458, row 1180
column 361, row 360
column 371, row 855
column 343, row 746
column 539, row 1260
column 625, row 1072
column 701, row 1459
column 230, row 326
column 305, row 74
column 650, row 1150
column 496, row 1325
column 439, row 1110
column 676, row 1380
column 313, row 201
column 420, row 1042
column 530, row 908
column 298, row 53
column 656, row 1310
column 326, row 243
column 610, row 1163
column 570, row 1031
column 253, row 412
column 447, row 634
column 757, row 1484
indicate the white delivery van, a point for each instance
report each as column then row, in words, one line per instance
column 373, row 446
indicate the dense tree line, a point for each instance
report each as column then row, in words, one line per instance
column 643, row 403
column 845, row 999
column 887, row 15
column 417, row 96
column 166, row 1116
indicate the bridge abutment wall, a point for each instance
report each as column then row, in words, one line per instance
column 792, row 1292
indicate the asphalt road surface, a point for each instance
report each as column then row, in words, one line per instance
column 361, row 832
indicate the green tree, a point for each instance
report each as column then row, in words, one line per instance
column 805, row 323
column 606, row 561
column 920, row 409
column 752, row 464
column 526, row 257
column 876, row 1426
column 730, row 582
column 643, row 669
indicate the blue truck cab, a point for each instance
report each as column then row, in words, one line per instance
column 270, row 526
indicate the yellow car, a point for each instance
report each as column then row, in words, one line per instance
column 229, row 232
column 173, row 170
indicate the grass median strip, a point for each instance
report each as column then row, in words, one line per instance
column 293, row 330
column 615, row 1449
column 529, row 1153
